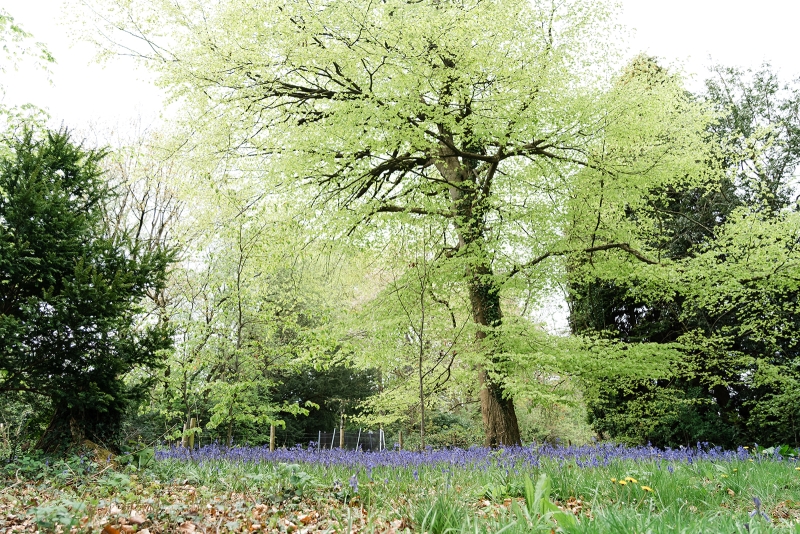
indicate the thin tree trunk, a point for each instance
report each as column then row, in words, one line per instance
column 230, row 428
column 421, row 335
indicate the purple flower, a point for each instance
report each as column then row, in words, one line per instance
column 354, row 483
column 757, row 511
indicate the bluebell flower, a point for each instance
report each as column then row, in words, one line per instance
column 757, row 511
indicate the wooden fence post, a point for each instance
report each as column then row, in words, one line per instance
column 192, row 424
column 271, row 438
column 341, row 432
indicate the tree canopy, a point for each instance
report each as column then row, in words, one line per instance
column 506, row 126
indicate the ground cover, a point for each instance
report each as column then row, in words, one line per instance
column 599, row 488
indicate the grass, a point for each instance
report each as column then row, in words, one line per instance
column 489, row 491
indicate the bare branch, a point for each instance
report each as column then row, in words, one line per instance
column 388, row 208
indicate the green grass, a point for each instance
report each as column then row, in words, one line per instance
column 232, row 497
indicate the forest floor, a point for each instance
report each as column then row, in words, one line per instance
column 601, row 488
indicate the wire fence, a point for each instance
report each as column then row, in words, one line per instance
column 366, row 440
column 360, row 439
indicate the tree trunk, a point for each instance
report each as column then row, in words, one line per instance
column 499, row 417
column 69, row 427
column 469, row 204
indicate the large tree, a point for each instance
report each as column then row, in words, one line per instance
column 473, row 116
column 70, row 295
column 732, row 302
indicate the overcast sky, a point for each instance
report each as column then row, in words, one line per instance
column 694, row 33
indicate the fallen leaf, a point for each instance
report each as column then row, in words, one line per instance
column 136, row 519
column 187, row 528
column 731, row 492
column 108, row 529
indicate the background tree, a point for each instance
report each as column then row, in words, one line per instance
column 473, row 117
column 735, row 379
column 70, row 295
column 334, row 389
column 246, row 302
column 416, row 332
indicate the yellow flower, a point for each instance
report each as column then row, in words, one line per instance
column 647, row 488
column 613, row 480
column 724, row 476
column 622, row 482
column 745, row 447
column 797, row 468
column 735, row 470
column 631, row 479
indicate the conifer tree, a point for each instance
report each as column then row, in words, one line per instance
column 70, row 314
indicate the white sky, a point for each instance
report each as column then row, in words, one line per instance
column 732, row 32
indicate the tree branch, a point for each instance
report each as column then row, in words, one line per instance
column 388, row 208
column 609, row 246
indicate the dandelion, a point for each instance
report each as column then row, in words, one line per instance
column 647, row 488
column 724, row 476
column 631, row 479
column 797, row 468
column 613, row 480
column 622, row 482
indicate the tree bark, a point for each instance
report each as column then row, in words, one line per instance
column 499, row 417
